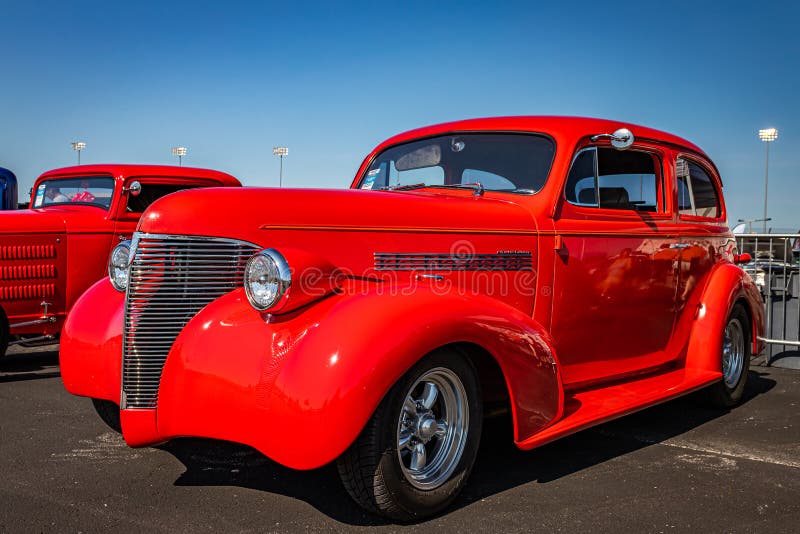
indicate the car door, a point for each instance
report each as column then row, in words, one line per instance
column 616, row 269
column 131, row 205
column 704, row 232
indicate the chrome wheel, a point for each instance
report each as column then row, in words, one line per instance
column 733, row 353
column 432, row 428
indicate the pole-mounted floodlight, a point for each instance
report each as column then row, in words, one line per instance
column 280, row 151
column 179, row 151
column 767, row 135
column 77, row 146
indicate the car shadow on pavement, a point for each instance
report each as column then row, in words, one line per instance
column 20, row 366
column 220, row 463
column 595, row 445
column 500, row 465
column 788, row 359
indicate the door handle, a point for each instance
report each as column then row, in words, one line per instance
column 679, row 246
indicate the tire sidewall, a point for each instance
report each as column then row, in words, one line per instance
column 414, row 501
column 5, row 333
column 732, row 396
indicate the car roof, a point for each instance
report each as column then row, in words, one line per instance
column 573, row 127
column 123, row 171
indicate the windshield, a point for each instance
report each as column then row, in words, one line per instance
column 86, row 190
column 517, row 163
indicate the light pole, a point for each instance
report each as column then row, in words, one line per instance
column 767, row 135
column 280, row 151
column 179, row 151
column 77, row 146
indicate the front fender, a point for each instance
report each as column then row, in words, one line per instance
column 90, row 354
column 727, row 285
column 300, row 388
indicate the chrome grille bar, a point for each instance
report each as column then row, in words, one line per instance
column 172, row 278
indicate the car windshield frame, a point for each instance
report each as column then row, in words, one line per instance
column 97, row 183
column 368, row 181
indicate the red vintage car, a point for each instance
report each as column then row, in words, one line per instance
column 51, row 253
column 567, row 270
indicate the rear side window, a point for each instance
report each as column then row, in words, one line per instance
column 612, row 179
column 696, row 192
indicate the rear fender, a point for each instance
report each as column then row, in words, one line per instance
column 727, row 285
column 301, row 387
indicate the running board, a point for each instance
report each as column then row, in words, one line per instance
column 592, row 407
column 33, row 340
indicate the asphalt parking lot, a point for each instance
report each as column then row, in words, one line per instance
column 677, row 467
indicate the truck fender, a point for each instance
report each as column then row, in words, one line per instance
column 300, row 388
column 727, row 284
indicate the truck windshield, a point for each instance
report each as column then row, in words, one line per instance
column 86, row 190
column 515, row 163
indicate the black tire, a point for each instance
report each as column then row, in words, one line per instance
column 109, row 413
column 5, row 333
column 726, row 393
column 372, row 470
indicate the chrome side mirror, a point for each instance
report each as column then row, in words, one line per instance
column 621, row 139
column 134, row 189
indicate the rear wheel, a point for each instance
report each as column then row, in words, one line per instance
column 736, row 350
column 5, row 334
column 109, row 413
column 416, row 452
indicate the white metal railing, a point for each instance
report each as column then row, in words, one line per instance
column 775, row 267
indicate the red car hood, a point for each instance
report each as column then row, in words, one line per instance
column 51, row 220
column 246, row 213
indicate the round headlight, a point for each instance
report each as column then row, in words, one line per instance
column 266, row 279
column 118, row 265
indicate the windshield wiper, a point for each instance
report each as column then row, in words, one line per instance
column 405, row 187
column 475, row 186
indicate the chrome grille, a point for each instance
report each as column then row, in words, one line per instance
column 171, row 279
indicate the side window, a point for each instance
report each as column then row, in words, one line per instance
column 581, row 183
column 614, row 179
column 696, row 192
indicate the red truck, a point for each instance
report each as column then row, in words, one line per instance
column 567, row 270
column 53, row 251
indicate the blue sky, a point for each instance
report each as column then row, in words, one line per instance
column 229, row 80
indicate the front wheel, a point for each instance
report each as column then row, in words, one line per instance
column 736, row 350
column 416, row 452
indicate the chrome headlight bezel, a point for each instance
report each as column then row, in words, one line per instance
column 119, row 265
column 274, row 268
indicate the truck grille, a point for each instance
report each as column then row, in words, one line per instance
column 171, row 279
